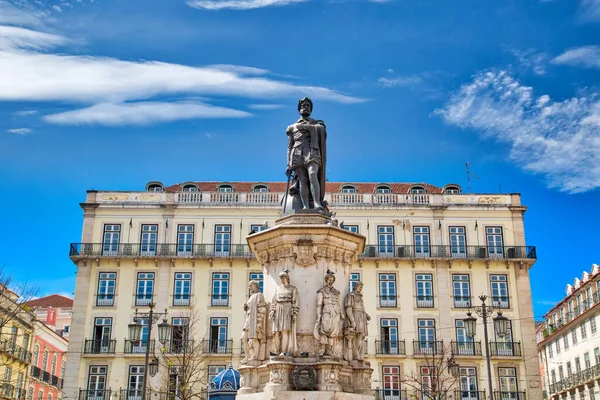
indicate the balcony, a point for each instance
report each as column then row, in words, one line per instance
column 462, row 302
column 500, row 302
column 135, row 250
column 9, row 348
column 219, row 300
column 469, row 395
column 105, row 300
column 577, row 379
column 54, row 381
column 94, row 394
column 46, row 376
column 505, row 349
column 136, row 394
column 99, row 347
column 390, row 394
column 428, row 347
column 448, row 252
column 137, row 347
column 509, row 395
column 143, row 299
column 424, row 301
column 178, row 346
column 217, row 346
column 182, row 300
column 35, row 372
column 387, row 301
column 465, row 348
column 391, row 347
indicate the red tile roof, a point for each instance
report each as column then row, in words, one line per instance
column 331, row 187
column 54, row 300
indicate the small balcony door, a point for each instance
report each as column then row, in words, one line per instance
column 468, row 384
column 102, row 335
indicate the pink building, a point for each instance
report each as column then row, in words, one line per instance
column 48, row 363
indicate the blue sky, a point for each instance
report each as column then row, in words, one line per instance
column 111, row 94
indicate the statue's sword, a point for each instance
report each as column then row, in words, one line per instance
column 287, row 189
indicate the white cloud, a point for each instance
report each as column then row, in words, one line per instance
column 56, row 8
column 557, row 139
column 265, row 106
column 142, row 113
column 530, row 59
column 19, row 131
column 239, row 4
column 399, row 81
column 25, row 113
column 584, row 56
column 589, row 10
column 24, row 14
column 12, row 37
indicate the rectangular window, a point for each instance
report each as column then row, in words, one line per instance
column 553, row 374
column 586, row 360
column 461, row 290
column 494, row 241
column 569, row 369
column 550, row 352
column 424, row 283
column 179, row 339
column 557, row 343
column 504, row 345
column 107, row 282
column 468, row 384
column 385, row 240
column 149, row 238
column 427, row 343
column 421, row 241
column 387, row 290
column 464, row 345
column 41, row 395
column 561, row 374
column 354, row 279
column 220, row 289
column 257, row 228
column 97, row 381
column 257, row 276
column 351, row 228
column 574, row 336
column 429, row 382
column 145, row 288
column 583, row 331
column 185, row 240
column 176, row 382
column 389, row 335
column 222, row 240
column 101, row 336
column 458, row 241
column 391, row 382
column 508, row 382
column 499, row 286
column 218, row 336
column 111, row 239
column 593, row 325
column 135, row 381
column 597, row 355
column 577, row 365
column 214, row 370
column 182, row 289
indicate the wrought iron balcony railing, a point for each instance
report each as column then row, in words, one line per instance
column 505, row 349
column 462, row 302
column 85, row 394
column 424, row 301
column 99, row 346
column 178, row 346
column 500, row 302
column 138, row 346
column 465, row 348
column 9, row 348
column 143, row 299
column 217, row 346
column 469, row 395
column 388, row 301
column 36, row 372
column 427, row 347
column 54, row 381
column 182, row 299
column 576, row 379
column 173, row 250
column 501, row 395
column 392, row 347
column 219, row 300
column 390, row 394
column 105, row 300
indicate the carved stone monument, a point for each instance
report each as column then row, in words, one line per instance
column 314, row 346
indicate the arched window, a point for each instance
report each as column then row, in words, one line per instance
column 45, row 361
column 62, row 369
column 225, row 188
column 417, row 190
column 155, row 187
column 383, row 189
column 452, row 190
column 36, row 354
column 260, row 189
column 348, row 189
column 53, row 371
column 190, row 188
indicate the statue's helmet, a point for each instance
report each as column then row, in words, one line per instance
column 305, row 100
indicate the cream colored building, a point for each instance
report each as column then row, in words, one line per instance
column 569, row 343
column 430, row 253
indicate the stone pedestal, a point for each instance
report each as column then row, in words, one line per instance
column 306, row 245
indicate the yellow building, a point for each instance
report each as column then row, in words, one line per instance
column 430, row 253
column 16, row 333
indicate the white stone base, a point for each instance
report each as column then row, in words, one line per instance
column 303, row 395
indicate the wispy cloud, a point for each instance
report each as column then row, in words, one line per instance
column 546, row 302
column 584, row 56
column 239, row 4
column 410, row 80
column 12, row 37
column 19, row 131
column 142, row 113
column 557, row 139
column 25, row 113
column 265, row 106
column 531, row 60
column 589, row 10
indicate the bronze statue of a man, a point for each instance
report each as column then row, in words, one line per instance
column 328, row 327
column 357, row 320
column 253, row 332
column 306, row 157
column 283, row 313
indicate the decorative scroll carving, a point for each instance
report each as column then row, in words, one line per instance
column 304, row 377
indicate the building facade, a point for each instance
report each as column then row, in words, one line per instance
column 55, row 311
column 430, row 252
column 569, row 342
column 48, row 364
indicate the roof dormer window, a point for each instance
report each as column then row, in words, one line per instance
column 190, row 188
column 383, row 189
column 225, row 188
column 348, row 189
column 417, row 190
column 155, row 187
column 452, row 189
column 260, row 189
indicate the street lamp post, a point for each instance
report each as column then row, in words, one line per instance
column 500, row 326
column 164, row 334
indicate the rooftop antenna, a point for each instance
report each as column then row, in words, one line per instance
column 469, row 175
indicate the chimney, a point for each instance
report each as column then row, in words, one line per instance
column 51, row 317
